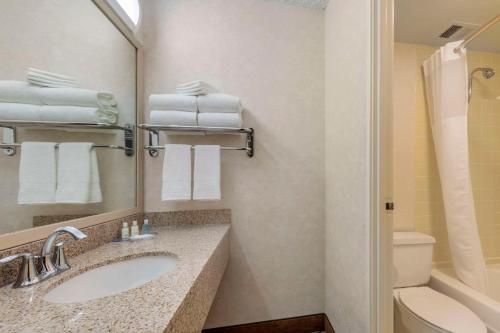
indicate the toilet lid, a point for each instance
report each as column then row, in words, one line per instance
column 441, row 310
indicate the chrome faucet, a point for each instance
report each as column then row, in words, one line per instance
column 52, row 263
column 55, row 264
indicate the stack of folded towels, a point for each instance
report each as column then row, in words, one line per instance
column 193, row 108
column 26, row 101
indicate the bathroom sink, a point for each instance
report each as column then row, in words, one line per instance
column 111, row 279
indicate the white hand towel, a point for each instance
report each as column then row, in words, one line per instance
column 76, row 174
column 19, row 92
column 18, row 111
column 76, row 97
column 176, row 173
column 37, row 173
column 220, row 119
column 173, row 102
column 95, row 194
column 48, row 79
column 179, row 118
column 206, row 173
column 78, row 114
column 219, row 103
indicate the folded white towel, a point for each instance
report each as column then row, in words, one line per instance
column 45, row 83
column 192, row 84
column 192, row 92
column 22, row 92
column 206, row 173
column 19, row 92
column 173, row 102
column 76, row 97
column 194, row 88
column 48, row 79
column 178, row 118
column 37, row 173
column 219, row 103
column 51, row 75
column 176, row 173
column 77, row 174
column 18, row 111
column 30, row 112
column 220, row 119
column 78, row 114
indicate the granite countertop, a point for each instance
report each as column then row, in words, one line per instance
column 177, row 301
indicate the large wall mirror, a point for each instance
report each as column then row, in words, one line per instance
column 64, row 67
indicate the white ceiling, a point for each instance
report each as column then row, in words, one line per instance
column 422, row 21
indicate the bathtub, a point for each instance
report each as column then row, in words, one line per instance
column 487, row 307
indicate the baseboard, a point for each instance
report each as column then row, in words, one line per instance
column 303, row 324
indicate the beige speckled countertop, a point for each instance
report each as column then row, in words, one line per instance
column 178, row 301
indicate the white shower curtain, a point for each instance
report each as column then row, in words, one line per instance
column 446, row 88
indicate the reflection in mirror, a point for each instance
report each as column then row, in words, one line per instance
column 66, row 62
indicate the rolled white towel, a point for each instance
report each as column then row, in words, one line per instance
column 176, row 102
column 22, row 92
column 76, row 97
column 77, row 114
column 178, row 118
column 19, row 111
column 19, row 92
column 220, row 119
column 219, row 103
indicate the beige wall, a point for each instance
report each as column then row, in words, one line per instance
column 71, row 37
column 420, row 167
column 271, row 55
column 347, row 149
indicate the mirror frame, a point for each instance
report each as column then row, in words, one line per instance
column 21, row 237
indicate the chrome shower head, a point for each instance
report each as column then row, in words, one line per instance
column 487, row 72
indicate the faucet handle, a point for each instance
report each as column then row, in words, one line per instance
column 28, row 274
column 59, row 257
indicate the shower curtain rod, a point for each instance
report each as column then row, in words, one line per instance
column 477, row 33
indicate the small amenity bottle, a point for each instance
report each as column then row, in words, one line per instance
column 145, row 227
column 134, row 230
column 125, row 231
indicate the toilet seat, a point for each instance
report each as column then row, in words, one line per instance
column 439, row 310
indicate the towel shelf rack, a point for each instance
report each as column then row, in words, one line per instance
column 154, row 140
column 10, row 147
column 18, row 145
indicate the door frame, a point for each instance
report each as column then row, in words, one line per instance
column 382, row 311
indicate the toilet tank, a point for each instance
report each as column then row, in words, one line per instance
column 412, row 258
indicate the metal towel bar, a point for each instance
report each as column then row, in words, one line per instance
column 154, row 138
column 10, row 147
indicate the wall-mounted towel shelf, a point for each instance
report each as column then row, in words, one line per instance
column 154, row 140
column 10, row 147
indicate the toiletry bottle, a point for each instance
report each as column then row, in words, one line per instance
column 134, row 230
column 125, row 231
column 145, row 227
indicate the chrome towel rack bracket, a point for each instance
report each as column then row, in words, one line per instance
column 9, row 147
column 154, row 136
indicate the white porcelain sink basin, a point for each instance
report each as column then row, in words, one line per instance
column 111, row 279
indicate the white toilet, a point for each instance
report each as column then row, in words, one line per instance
column 418, row 308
